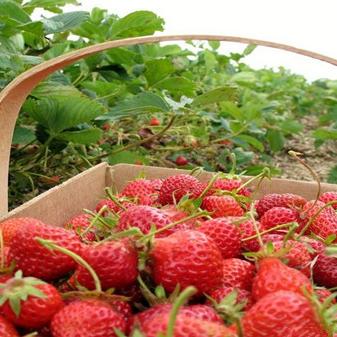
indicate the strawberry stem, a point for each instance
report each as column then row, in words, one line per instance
column 163, row 229
column 312, row 173
column 264, row 174
column 268, row 231
column 93, row 221
column 258, row 234
column 49, row 244
column 313, row 218
column 209, row 186
column 114, row 199
column 180, row 301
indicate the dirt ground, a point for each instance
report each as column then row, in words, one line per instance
column 321, row 159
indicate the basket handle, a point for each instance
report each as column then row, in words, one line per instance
column 14, row 95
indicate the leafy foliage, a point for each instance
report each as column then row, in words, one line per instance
column 208, row 103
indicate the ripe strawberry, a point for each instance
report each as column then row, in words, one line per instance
column 112, row 206
column 238, row 273
column 221, row 206
column 273, row 275
column 282, row 314
column 278, row 200
column 278, row 216
column 87, row 318
column 144, row 217
column 123, row 308
column 115, row 263
column 154, row 121
column 225, row 235
column 323, row 225
column 29, row 302
column 328, row 197
column 323, row 294
column 37, row 261
column 247, row 229
column 242, row 295
column 79, row 224
column 325, row 271
column 314, row 247
column 187, row 258
column 181, row 161
column 230, row 185
column 175, row 187
column 185, row 327
column 144, row 191
column 175, row 214
column 10, row 226
column 200, row 311
column 7, row 329
column 298, row 256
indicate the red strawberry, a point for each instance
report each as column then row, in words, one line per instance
column 238, row 273
column 124, row 308
column 323, row 225
column 175, row 214
column 247, row 229
column 144, row 191
column 230, row 185
column 87, row 318
column 7, row 329
column 10, row 226
column 328, row 197
column 112, row 206
column 175, row 187
column 181, row 161
column 144, row 217
column 273, row 275
column 242, row 295
column 115, row 263
column 298, row 256
column 187, row 258
column 185, row 327
column 221, row 206
column 37, row 261
column 278, row 200
column 200, row 311
column 323, row 294
column 314, row 247
column 225, row 235
column 29, row 302
column 278, row 216
column 325, row 271
column 282, row 314
column 79, row 224
column 154, row 121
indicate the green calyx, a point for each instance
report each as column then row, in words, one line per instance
column 18, row 289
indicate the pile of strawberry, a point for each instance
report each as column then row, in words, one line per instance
column 176, row 258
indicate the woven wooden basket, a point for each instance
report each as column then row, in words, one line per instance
column 83, row 191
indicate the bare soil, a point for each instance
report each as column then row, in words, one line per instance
column 321, row 159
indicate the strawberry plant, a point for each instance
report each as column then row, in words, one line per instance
column 182, row 105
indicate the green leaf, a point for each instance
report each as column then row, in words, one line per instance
column 157, row 70
column 128, row 157
column 86, row 136
column 275, row 139
column 49, row 5
column 137, row 24
column 63, row 22
column 229, row 108
column 245, row 78
column 60, row 113
column 45, row 88
column 13, row 11
column 252, row 141
column 249, row 49
column 325, row 134
column 102, row 88
column 290, row 126
column 144, row 102
column 214, row 44
column 227, row 93
column 23, row 135
column 177, row 85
